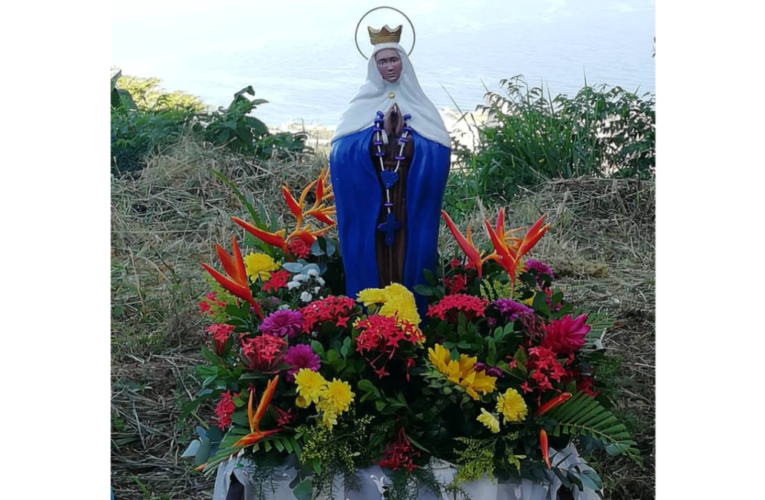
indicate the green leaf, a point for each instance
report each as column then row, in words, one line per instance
column 590, row 479
column 583, row 415
column 346, row 347
column 423, row 290
column 380, row 405
column 317, row 347
column 279, row 445
column 492, row 357
column 332, row 356
column 367, row 386
column 429, row 276
column 304, row 489
column 203, row 452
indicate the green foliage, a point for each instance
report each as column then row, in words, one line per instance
column 234, row 128
column 147, row 95
column 476, row 459
column 583, row 415
column 145, row 119
column 532, row 137
column 333, row 452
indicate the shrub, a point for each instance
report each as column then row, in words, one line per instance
column 531, row 138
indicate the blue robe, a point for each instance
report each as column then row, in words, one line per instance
column 359, row 199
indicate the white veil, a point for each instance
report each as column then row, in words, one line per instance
column 373, row 96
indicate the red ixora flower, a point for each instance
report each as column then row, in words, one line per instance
column 299, row 248
column 544, row 366
column 206, row 305
column 450, row 306
column 263, row 352
column 326, row 310
column 399, row 453
column 455, row 284
column 224, row 410
column 277, row 281
column 382, row 335
column 566, row 335
column 220, row 334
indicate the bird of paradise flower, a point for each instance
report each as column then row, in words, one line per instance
column 508, row 250
column 256, row 434
column 321, row 211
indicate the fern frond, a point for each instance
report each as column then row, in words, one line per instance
column 583, row 415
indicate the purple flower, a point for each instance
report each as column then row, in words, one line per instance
column 512, row 310
column 284, row 322
column 301, row 356
column 540, row 268
column 491, row 371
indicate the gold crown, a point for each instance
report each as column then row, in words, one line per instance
column 384, row 34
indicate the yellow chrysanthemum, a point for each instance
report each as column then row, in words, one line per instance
column 512, row 406
column 259, row 265
column 371, row 296
column 335, row 398
column 394, row 299
column 398, row 299
column 300, row 402
column 309, row 385
column 489, row 420
column 329, row 419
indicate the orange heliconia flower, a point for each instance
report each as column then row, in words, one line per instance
column 466, row 244
column 320, row 211
column 510, row 250
column 236, row 282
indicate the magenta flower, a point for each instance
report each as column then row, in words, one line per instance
column 284, row 322
column 567, row 334
column 541, row 268
column 301, row 356
column 512, row 310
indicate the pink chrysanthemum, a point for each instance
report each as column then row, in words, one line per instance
column 283, row 323
column 301, row 356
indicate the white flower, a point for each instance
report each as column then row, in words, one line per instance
column 317, row 289
column 306, row 297
column 312, row 272
column 292, row 284
column 320, row 281
column 300, row 277
column 284, row 306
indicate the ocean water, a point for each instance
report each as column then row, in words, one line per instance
column 301, row 55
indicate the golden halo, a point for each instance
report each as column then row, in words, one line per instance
column 356, row 35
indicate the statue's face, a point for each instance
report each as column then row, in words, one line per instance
column 389, row 64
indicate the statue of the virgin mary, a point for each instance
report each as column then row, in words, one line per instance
column 389, row 162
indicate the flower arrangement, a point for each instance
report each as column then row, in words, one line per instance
column 500, row 371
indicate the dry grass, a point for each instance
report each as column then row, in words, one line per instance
column 165, row 222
